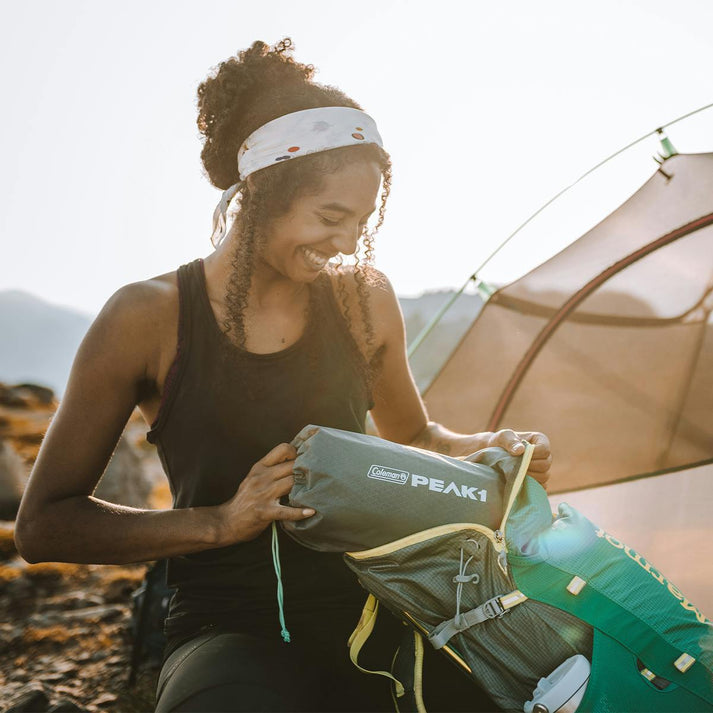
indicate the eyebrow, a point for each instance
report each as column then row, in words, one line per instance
column 339, row 208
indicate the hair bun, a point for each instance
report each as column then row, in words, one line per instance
column 231, row 102
column 246, row 91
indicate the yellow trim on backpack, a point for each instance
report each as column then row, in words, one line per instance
column 417, row 537
column 360, row 635
column 517, row 484
column 418, row 672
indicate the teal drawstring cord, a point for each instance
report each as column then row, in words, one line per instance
column 278, row 574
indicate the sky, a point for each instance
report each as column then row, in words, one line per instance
column 488, row 109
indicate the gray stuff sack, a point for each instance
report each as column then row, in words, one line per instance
column 377, row 491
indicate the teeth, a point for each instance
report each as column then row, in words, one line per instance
column 317, row 260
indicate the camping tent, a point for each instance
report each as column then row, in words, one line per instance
column 608, row 348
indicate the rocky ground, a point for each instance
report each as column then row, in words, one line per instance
column 65, row 638
column 65, row 629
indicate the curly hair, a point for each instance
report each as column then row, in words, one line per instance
column 260, row 84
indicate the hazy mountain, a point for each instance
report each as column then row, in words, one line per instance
column 38, row 340
column 437, row 347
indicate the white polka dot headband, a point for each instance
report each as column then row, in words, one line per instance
column 305, row 132
column 291, row 136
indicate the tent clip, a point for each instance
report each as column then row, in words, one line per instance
column 667, row 150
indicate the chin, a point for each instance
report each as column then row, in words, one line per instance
column 309, row 276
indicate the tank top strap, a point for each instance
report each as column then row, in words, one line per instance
column 195, row 307
column 189, row 278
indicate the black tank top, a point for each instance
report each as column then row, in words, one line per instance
column 224, row 408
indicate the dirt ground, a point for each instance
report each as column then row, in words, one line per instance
column 65, row 636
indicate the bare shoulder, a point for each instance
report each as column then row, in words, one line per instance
column 368, row 282
column 135, row 333
column 145, row 301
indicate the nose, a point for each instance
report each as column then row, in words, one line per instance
column 346, row 240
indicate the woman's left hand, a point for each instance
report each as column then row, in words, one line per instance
column 541, row 461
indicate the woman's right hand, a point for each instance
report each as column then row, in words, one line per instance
column 257, row 501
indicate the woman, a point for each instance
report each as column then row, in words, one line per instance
column 227, row 359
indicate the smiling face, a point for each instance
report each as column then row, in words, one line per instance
column 320, row 225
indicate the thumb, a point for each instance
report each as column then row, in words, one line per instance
column 285, row 512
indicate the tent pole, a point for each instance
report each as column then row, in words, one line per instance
column 437, row 317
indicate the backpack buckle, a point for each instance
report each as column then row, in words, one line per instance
column 493, row 608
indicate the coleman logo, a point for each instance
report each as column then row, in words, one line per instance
column 401, row 477
column 380, row 472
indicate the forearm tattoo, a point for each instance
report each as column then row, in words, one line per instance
column 431, row 442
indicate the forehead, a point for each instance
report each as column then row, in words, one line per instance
column 355, row 186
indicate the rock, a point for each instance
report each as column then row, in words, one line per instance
column 38, row 395
column 10, row 689
column 32, row 699
column 66, row 690
column 100, row 613
column 64, row 705
column 125, row 481
column 52, row 677
column 19, row 589
column 9, row 634
column 26, row 396
column 75, row 600
column 13, row 476
column 105, row 699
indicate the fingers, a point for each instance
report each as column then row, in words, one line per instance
column 541, row 465
column 539, row 440
column 279, row 454
column 275, row 466
column 512, row 441
column 280, row 471
column 541, row 462
column 509, row 440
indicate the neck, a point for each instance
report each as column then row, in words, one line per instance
column 268, row 288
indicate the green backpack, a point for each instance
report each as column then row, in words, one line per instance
column 545, row 612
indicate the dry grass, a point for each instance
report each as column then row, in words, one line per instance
column 7, row 574
column 122, row 574
column 160, row 497
column 53, row 571
column 50, row 634
column 7, row 542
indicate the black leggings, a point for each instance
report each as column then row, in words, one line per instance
column 237, row 672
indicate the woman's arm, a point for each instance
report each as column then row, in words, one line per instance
column 400, row 414
column 60, row 520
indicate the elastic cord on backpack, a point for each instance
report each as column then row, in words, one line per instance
column 278, row 574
